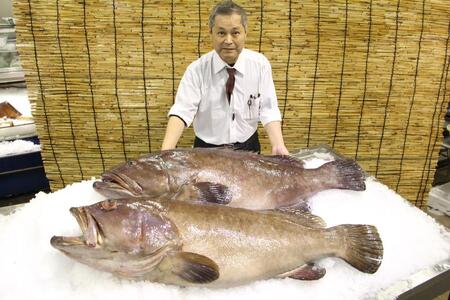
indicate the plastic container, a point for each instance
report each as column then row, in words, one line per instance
column 439, row 199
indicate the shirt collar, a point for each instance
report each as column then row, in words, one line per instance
column 219, row 64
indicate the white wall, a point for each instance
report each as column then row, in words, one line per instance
column 5, row 8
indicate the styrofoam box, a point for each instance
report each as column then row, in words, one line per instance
column 439, row 198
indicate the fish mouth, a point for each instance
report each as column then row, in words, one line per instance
column 91, row 233
column 120, row 184
column 61, row 242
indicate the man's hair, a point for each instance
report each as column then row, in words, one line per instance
column 227, row 7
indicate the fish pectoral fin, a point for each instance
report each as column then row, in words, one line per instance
column 309, row 271
column 204, row 192
column 302, row 217
column 213, row 192
column 194, row 267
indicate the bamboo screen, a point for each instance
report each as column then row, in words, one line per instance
column 368, row 78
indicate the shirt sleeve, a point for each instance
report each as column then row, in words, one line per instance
column 188, row 96
column 269, row 103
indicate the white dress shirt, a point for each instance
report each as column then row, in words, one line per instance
column 201, row 98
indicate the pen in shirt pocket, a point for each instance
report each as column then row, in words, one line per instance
column 251, row 101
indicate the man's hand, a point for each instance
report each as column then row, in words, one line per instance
column 280, row 150
column 276, row 138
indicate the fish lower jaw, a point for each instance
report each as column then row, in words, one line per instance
column 76, row 241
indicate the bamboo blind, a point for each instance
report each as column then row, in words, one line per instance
column 368, row 78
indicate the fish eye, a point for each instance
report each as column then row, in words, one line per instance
column 131, row 163
column 108, row 205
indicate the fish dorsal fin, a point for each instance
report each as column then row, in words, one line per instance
column 302, row 217
column 194, row 268
column 285, row 159
column 309, row 271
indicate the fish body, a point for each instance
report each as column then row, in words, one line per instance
column 186, row 244
column 237, row 178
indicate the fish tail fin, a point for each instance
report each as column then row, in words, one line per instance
column 347, row 174
column 360, row 246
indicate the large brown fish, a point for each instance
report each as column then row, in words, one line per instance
column 237, row 178
column 180, row 243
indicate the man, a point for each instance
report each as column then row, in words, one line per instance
column 227, row 91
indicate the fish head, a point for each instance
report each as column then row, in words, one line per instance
column 116, row 233
column 144, row 176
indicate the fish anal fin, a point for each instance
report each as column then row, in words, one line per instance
column 309, row 271
column 289, row 196
column 213, row 192
column 194, row 268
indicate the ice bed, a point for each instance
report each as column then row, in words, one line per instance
column 416, row 263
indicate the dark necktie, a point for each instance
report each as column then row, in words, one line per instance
column 230, row 82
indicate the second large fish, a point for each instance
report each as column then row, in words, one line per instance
column 210, row 245
column 237, row 178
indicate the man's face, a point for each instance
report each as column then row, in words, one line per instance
column 228, row 37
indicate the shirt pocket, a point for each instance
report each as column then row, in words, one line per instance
column 252, row 107
column 211, row 106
